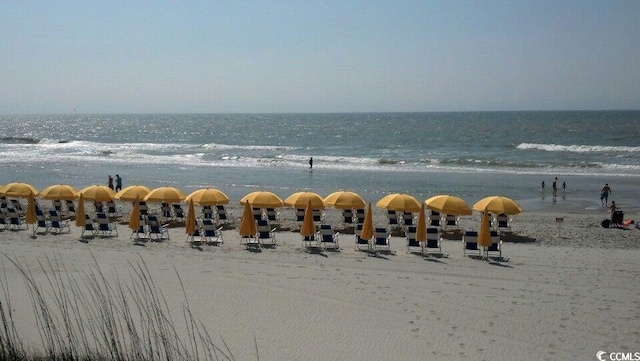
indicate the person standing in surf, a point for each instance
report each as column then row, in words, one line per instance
column 311, row 163
column 604, row 195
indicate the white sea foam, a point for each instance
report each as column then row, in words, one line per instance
column 576, row 148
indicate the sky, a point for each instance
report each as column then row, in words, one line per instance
column 318, row 56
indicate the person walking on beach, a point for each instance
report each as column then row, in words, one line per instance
column 542, row 185
column 118, row 183
column 604, row 195
column 555, row 186
column 110, row 181
column 311, row 163
column 564, row 186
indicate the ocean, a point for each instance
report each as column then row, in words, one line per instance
column 467, row 154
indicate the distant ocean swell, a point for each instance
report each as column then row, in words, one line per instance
column 577, row 148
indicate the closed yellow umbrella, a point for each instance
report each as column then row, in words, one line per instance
column 18, row 190
column 98, row 193
column 421, row 227
column 165, row 194
column 308, row 226
column 484, row 236
column 30, row 217
column 449, row 204
column 497, row 205
column 208, row 197
column 344, row 200
column 262, row 199
column 130, row 193
column 301, row 199
column 248, row 225
column 190, row 223
column 81, row 221
column 134, row 219
column 59, row 191
column 367, row 226
column 399, row 202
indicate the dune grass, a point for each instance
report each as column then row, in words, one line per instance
column 82, row 315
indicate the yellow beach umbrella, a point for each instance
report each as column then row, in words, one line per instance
column 262, row 199
column 399, row 202
column 308, row 226
column 134, row 218
column 81, row 221
column 98, row 193
column 421, row 227
column 190, row 223
column 484, row 236
column 449, row 204
column 59, row 191
column 30, row 217
column 367, row 226
column 497, row 205
column 18, row 190
column 130, row 193
column 165, row 194
column 344, row 200
column 208, row 197
column 301, row 200
column 248, row 225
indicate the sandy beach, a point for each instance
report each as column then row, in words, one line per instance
column 559, row 294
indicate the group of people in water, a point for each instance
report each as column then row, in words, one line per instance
column 604, row 193
column 554, row 186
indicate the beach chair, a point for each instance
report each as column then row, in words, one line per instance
column 617, row 217
column 470, row 244
column 178, row 212
column 434, row 219
column 155, row 230
column 144, row 208
column 41, row 222
column 257, row 213
column 266, row 234
column 210, row 234
column 347, row 216
column 71, row 207
column 408, row 219
column 4, row 220
column 105, row 227
column 4, row 203
column 433, row 244
column 56, row 222
column 361, row 243
column 165, row 210
column 299, row 214
column 207, row 212
column 381, row 239
column 89, row 227
column 328, row 238
column 16, row 222
column 392, row 216
column 502, row 223
column 272, row 214
column 112, row 210
column 359, row 216
column 135, row 233
column 310, row 242
column 318, row 216
column 222, row 214
column 496, row 245
column 451, row 221
column 98, row 207
column 412, row 243
column 17, row 206
column 57, row 205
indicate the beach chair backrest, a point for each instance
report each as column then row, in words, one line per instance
column 178, row 211
column 299, row 214
column 221, row 212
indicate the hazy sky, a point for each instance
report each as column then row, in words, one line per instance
column 317, row 56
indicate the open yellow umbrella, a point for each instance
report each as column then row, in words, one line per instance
column 484, row 236
column 301, row 199
column 497, row 205
column 208, row 197
column 399, row 202
column 449, row 204
column 18, row 190
column 367, row 226
column 344, row 200
column 421, row 227
column 98, row 193
column 262, row 199
column 130, row 193
column 248, row 225
column 190, row 223
column 165, row 194
column 134, row 219
column 81, row 221
column 59, row 191
column 308, row 226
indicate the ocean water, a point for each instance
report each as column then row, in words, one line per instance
column 468, row 154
